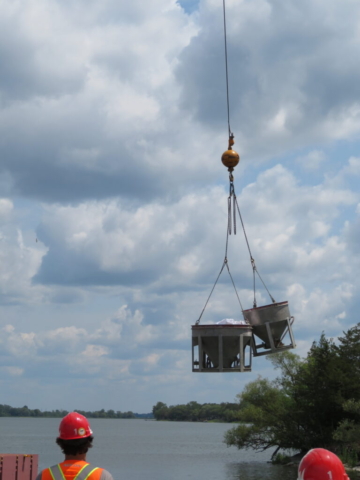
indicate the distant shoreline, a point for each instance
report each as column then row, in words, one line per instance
column 25, row 412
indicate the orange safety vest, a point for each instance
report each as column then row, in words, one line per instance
column 72, row 470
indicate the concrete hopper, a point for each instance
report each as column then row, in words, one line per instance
column 221, row 348
column 271, row 323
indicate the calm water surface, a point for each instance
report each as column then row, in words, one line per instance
column 149, row 450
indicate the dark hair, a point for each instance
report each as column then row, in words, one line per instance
column 73, row 447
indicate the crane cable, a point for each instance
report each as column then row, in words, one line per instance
column 226, row 71
column 231, row 178
column 232, row 203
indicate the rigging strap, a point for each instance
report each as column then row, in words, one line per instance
column 225, row 263
column 233, row 207
column 232, row 280
column 207, row 301
column 231, row 215
column 252, row 260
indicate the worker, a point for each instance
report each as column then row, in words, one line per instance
column 320, row 464
column 75, row 438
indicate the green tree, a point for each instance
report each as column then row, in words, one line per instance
column 347, row 434
column 308, row 405
column 160, row 411
column 315, row 390
column 195, row 412
column 348, row 431
column 264, row 413
column 349, row 356
column 178, row 413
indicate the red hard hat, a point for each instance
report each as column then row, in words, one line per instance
column 320, row 464
column 74, row 426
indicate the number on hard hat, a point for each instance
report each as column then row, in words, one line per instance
column 320, row 464
column 74, row 426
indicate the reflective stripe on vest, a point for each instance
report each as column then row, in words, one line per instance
column 85, row 472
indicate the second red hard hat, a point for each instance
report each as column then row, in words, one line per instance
column 321, row 464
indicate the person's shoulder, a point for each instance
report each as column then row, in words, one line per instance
column 40, row 475
column 105, row 475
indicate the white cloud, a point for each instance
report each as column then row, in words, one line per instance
column 327, row 308
column 19, row 261
column 312, row 161
column 94, row 351
column 353, row 167
column 20, row 344
column 6, row 208
column 288, row 225
column 13, row 371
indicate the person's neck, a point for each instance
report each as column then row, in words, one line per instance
column 78, row 456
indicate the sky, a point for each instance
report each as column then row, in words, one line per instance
column 113, row 197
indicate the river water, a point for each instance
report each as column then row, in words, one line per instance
column 149, row 450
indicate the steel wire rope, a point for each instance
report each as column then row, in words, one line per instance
column 252, row 261
column 213, row 288
column 228, row 269
column 226, row 70
column 225, row 262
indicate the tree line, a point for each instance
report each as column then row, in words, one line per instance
column 196, row 412
column 8, row 411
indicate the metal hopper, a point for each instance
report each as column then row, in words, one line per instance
column 221, row 348
column 271, row 323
